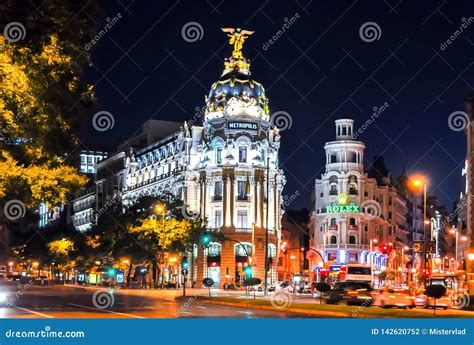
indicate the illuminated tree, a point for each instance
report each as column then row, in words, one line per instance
column 43, row 98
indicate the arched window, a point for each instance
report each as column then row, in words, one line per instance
column 353, row 188
column 214, row 249
column 352, row 239
column 240, row 251
column 333, row 239
column 333, row 222
column 272, row 251
column 352, row 221
column 333, row 185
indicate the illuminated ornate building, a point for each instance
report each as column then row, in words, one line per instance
column 226, row 170
column 352, row 210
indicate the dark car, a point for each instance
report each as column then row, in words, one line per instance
column 351, row 293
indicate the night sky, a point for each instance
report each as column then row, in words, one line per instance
column 318, row 70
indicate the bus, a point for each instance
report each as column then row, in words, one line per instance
column 358, row 272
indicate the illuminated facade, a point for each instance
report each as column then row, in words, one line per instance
column 220, row 169
column 351, row 210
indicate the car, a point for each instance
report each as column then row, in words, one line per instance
column 393, row 297
column 3, row 298
column 429, row 302
column 351, row 293
column 284, row 286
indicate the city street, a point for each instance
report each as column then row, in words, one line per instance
column 77, row 302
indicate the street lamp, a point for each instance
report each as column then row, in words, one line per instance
column 455, row 232
column 418, row 183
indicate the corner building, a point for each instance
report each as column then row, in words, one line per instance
column 220, row 169
column 351, row 210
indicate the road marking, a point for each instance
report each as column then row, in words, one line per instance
column 35, row 313
column 186, row 312
column 201, row 307
column 107, row 311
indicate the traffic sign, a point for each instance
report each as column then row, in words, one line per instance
column 184, row 272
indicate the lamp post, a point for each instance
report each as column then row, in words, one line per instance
column 417, row 183
column 455, row 232
column 160, row 209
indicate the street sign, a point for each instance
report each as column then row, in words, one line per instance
column 184, row 272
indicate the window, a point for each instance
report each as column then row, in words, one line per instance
column 333, row 239
column 333, row 190
column 218, row 190
column 242, row 219
column 352, row 221
column 353, row 185
column 333, row 222
column 214, row 249
column 241, row 195
column 322, row 195
column 352, row 239
column 219, row 155
column 242, row 154
column 390, row 215
column 239, row 249
column 218, row 218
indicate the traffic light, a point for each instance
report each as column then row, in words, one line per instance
column 248, row 271
column 205, row 239
column 185, row 263
column 111, row 272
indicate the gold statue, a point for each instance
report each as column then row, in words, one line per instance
column 237, row 38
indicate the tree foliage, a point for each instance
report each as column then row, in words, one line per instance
column 43, row 97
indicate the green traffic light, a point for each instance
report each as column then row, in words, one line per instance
column 248, row 271
column 205, row 239
column 112, row 272
column 185, row 264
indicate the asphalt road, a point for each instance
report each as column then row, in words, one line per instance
column 76, row 302
column 90, row 302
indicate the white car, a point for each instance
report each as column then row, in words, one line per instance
column 429, row 302
column 392, row 297
column 284, row 286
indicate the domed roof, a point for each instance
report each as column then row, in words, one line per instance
column 236, row 93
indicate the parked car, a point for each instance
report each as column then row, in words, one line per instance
column 3, row 298
column 392, row 297
column 284, row 286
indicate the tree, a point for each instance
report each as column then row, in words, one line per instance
column 43, row 97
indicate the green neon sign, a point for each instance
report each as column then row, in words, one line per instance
column 342, row 206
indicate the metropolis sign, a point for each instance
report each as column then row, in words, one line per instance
column 242, row 125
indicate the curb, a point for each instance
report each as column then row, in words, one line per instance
column 289, row 310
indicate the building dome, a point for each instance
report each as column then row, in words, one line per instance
column 235, row 93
